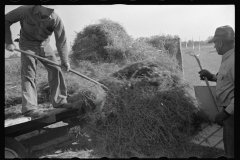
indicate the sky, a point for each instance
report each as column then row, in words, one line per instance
column 186, row 21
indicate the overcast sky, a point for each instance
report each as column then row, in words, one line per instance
column 186, row 21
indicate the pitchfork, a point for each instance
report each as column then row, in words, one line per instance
column 210, row 92
column 205, row 78
column 56, row 64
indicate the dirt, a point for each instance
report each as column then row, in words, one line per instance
column 67, row 146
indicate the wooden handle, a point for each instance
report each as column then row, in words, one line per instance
column 70, row 70
column 210, row 92
column 38, row 57
column 207, row 83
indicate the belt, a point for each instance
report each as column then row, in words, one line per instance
column 34, row 43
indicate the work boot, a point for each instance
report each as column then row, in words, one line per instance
column 35, row 113
column 65, row 105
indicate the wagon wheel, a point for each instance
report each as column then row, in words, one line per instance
column 14, row 149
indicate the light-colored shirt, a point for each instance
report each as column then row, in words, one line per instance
column 36, row 30
column 226, row 82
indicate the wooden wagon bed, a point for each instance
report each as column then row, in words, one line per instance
column 21, row 125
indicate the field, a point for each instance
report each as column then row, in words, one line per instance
column 209, row 59
column 69, row 147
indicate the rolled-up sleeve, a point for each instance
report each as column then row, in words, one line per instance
column 10, row 18
column 230, row 107
column 61, row 40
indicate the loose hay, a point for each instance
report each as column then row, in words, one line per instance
column 105, row 41
column 148, row 111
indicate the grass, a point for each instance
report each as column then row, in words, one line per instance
column 13, row 82
column 209, row 59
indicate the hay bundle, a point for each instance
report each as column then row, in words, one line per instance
column 106, row 41
column 43, row 92
column 84, row 94
column 147, row 111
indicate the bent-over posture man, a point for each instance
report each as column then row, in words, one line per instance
column 38, row 22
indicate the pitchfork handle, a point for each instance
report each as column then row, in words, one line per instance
column 70, row 70
column 208, row 86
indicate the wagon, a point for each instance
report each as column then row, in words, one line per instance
column 21, row 126
column 16, row 147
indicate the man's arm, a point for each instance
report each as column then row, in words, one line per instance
column 214, row 78
column 61, row 40
column 10, row 18
column 231, row 76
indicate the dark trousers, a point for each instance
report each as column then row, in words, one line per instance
column 228, row 137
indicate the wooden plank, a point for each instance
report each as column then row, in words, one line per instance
column 179, row 55
column 214, row 135
column 22, row 119
column 206, row 103
column 48, row 135
column 55, row 115
column 11, row 122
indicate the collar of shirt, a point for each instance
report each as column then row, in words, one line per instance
column 227, row 54
column 36, row 11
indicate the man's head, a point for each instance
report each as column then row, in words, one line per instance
column 46, row 10
column 224, row 39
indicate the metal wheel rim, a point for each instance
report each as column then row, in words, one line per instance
column 9, row 153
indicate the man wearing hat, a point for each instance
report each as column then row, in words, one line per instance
column 224, row 40
column 38, row 22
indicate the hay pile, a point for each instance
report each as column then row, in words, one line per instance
column 148, row 112
column 105, row 41
column 108, row 42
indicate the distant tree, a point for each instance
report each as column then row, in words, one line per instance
column 176, row 36
column 190, row 43
column 156, row 41
column 209, row 38
column 142, row 39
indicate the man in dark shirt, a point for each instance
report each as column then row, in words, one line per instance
column 38, row 22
